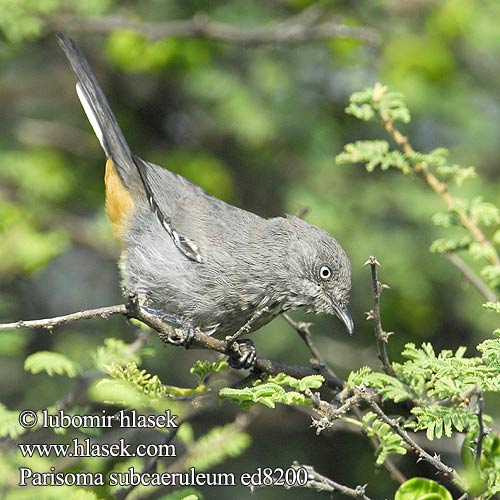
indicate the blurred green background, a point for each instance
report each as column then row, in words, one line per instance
column 258, row 126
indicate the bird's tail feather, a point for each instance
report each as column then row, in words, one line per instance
column 98, row 110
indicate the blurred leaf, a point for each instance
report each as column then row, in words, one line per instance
column 238, row 110
column 208, row 172
column 419, row 488
column 216, row 446
column 133, row 52
column 9, row 423
column 53, row 363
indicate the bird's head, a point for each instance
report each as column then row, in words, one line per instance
column 321, row 272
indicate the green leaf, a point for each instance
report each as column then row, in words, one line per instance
column 444, row 245
column 144, row 382
column 307, row 382
column 389, row 441
column 114, row 351
column 216, row 446
column 53, row 363
column 439, row 420
column 203, row 369
column 492, row 306
column 456, row 173
column 387, row 386
column 369, row 102
column 9, row 423
column 483, row 212
column 419, row 488
column 373, row 154
column 492, row 275
column 446, row 220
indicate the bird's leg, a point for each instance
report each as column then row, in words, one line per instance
column 248, row 325
column 244, row 354
column 178, row 336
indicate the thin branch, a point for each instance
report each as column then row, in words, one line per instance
column 441, row 188
column 292, row 31
column 388, row 464
column 165, row 330
column 150, row 465
column 319, row 482
column 380, row 335
column 302, row 328
column 329, row 413
column 481, row 432
column 50, row 323
column 435, row 460
column 471, row 276
column 242, row 421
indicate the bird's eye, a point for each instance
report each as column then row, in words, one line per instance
column 325, row 272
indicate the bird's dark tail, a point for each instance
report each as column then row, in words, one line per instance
column 98, row 111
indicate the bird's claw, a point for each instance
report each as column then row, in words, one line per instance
column 243, row 356
column 178, row 336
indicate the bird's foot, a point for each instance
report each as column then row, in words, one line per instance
column 242, row 354
column 248, row 325
column 176, row 336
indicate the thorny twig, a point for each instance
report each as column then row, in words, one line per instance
column 302, row 328
column 380, row 335
column 481, row 431
column 435, row 460
column 322, row 483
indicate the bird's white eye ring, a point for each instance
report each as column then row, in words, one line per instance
column 325, row 272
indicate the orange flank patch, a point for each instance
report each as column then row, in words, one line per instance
column 119, row 203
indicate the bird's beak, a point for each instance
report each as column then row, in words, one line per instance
column 343, row 314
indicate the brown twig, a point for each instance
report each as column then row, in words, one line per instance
column 435, row 460
column 319, row 482
column 441, row 188
column 380, row 335
column 471, row 276
column 50, row 323
column 481, row 432
column 329, row 413
column 302, row 328
column 297, row 29
column 388, row 464
column 164, row 329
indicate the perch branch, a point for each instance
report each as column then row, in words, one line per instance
column 164, row 329
column 50, row 323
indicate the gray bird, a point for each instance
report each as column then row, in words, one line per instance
column 197, row 259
